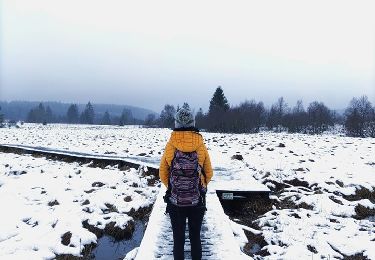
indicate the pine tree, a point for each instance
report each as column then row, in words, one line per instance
column 41, row 114
column 200, row 119
column 219, row 102
column 106, row 120
column 49, row 117
column 72, row 115
column 218, row 111
column 37, row 114
column 126, row 117
column 88, row 115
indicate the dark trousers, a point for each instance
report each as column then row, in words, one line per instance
column 178, row 217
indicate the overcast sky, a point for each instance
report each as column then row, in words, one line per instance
column 148, row 53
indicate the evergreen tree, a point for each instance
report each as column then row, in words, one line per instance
column 106, row 119
column 126, row 117
column 37, row 114
column 200, row 119
column 217, row 112
column 49, row 117
column 88, row 115
column 31, row 116
column 219, row 102
column 72, row 114
column 41, row 113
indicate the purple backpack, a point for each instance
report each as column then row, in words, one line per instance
column 185, row 183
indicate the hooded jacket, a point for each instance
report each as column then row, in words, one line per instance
column 185, row 141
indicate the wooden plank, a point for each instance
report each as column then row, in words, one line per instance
column 218, row 241
column 70, row 156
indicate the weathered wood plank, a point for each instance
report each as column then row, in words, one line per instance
column 218, row 241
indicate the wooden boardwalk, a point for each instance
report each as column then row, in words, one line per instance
column 218, row 241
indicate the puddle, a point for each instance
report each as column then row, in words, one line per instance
column 255, row 248
column 108, row 248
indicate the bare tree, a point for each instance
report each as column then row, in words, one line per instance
column 296, row 120
column 359, row 117
column 150, row 120
column 167, row 116
column 276, row 114
column 319, row 117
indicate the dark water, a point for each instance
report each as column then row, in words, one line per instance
column 255, row 249
column 108, row 248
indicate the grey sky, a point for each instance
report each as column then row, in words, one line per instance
column 150, row 53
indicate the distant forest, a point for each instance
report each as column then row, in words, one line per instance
column 358, row 119
column 56, row 112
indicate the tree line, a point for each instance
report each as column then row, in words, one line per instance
column 251, row 116
column 18, row 110
column 247, row 117
column 1, row 118
column 42, row 114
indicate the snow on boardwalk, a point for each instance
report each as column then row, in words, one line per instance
column 218, row 241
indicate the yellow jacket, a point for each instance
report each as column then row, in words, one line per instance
column 185, row 141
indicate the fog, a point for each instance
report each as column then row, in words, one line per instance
column 147, row 54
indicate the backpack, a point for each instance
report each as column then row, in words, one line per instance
column 185, row 187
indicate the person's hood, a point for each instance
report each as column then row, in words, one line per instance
column 186, row 141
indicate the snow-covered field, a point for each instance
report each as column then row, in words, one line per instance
column 324, row 188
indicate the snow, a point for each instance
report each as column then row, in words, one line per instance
column 31, row 227
column 331, row 166
column 217, row 236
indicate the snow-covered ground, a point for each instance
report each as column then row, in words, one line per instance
column 45, row 201
column 330, row 206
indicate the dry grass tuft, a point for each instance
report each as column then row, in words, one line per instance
column 97, row 184
column 297, row 182
column 237, row 157
column 290, row 204
column 361, row 193
column 86, row 202
column 128, row 199
column 110, row 208
column 65, row 239
column 363, row 212
column 312, row 249
column 118, row 233
column 53, row 203
column 253, row 242
column 97, row 231
column 86, row 254
column 141, row 214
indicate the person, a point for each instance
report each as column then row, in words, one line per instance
column 185, row 140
